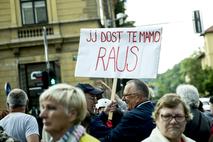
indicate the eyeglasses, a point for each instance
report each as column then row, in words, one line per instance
column 169, row 117
column 130, row 94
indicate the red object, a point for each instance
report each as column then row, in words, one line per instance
column 212, row 129
column 109, row 123
column 182, row 140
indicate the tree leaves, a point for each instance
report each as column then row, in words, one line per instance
column 187, row 71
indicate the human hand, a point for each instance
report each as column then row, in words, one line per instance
column 112, row 107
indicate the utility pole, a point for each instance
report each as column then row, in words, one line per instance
column 112, row 14
column 46, row 48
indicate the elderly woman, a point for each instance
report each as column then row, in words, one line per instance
column 171, row 115
column 198, row 128
column 63, row 107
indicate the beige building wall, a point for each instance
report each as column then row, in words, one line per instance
column 5, row 13
column 208, row 48
column 24, row 44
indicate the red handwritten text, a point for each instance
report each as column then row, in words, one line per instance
column 144, row 36
column 107, row 56
column 111, row 36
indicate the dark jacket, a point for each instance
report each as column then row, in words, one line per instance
column 134, row 126
column 98, row 124
column 198, row 128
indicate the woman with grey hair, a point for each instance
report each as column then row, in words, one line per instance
column 171, row 115
column 189, row 94
column 63, row 107
column 198, row 128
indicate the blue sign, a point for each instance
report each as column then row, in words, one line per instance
column 7, row 88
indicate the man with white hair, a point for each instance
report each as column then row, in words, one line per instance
column 23, row 127
column 198, row 128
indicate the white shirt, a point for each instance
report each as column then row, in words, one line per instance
column 156, row 136
column 19, row 125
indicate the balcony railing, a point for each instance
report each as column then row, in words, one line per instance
column 34, row 32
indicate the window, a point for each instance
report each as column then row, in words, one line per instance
column 33, row 11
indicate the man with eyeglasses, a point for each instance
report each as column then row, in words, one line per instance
column 171, row 115
column 91, row 94
column 137, row 123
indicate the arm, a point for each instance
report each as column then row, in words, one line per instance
column 135, row 125
column 33, row 138
column 32, row 130
column 103, row 84
column 121, row 104
column 98, row 126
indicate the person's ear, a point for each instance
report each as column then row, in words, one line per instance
column 72, row 116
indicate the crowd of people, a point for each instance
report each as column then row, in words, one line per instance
column 80, row 113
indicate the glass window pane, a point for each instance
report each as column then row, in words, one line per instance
column 25, row 0
column 27, row 13
column 40, row 12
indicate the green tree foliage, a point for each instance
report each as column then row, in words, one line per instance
column 187, row 71
column 168, row 81
column 120, row 8
column 192, row 68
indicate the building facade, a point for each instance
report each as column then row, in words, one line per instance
column 207, row 60
column 22, row 52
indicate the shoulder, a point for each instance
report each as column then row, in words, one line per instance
column 155, row 136
column 197, row 116
column 28, row 118
column 145, row 109
column 88, row 138
column 146, row 105
column 6, row 117
column 187, row 139
column 19, row 115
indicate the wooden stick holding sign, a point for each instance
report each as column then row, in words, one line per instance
column 114, row 86
column 119, row 53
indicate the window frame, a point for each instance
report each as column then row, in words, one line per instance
column 35, row 19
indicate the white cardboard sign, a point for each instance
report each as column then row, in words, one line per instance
column 119, row 52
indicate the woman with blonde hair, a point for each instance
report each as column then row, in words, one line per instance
column 63, row 107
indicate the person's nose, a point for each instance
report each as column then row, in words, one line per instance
column 95, row 100
column 123, row 98
column 43, row 113
column 173, row 120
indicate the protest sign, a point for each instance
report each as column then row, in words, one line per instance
column 119, row 52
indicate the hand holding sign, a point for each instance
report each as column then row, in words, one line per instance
column 119, row 53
